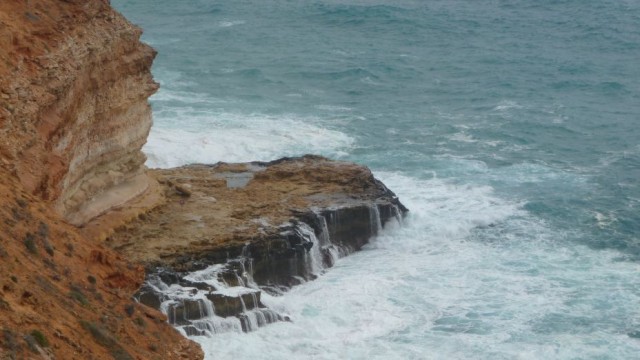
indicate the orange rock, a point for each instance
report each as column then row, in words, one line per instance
column 74, row 83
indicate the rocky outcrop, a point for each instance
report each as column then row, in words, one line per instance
column 229, row 231
column 74, row 83
column 222, row 211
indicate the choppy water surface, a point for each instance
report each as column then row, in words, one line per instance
column 509, row 128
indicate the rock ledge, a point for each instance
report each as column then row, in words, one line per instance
column 229, row 231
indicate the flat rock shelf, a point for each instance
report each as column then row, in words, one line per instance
column 228, row 232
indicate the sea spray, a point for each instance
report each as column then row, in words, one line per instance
column 401, row 297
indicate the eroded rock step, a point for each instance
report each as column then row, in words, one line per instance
column 226, row 297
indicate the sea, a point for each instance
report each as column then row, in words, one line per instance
column 509, row 128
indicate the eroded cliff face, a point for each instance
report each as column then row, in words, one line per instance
column 74, row 83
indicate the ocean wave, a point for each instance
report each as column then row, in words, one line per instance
column 229, row 23
column 352, row 73
column 209, row 137
column 333, row 108
column 507, row 105
column 469, row 274
column 462, row 137
column 186, row 98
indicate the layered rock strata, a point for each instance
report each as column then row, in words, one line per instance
column 229, row 231
column 74, row 80
column 74, row 83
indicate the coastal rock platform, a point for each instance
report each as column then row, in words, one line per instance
column 215, row 212
column 227, row 232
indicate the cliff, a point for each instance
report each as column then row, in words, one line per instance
column 74, row 80
column 74, row 83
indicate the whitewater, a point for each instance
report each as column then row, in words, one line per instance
column 508, row 128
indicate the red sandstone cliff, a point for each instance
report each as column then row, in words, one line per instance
column 74, row 83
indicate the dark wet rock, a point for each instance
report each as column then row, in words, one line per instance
column 149, row 297
column 225, row 305
column 193, row 331
column 185, row 310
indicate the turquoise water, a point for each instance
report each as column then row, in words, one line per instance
column 509, row 128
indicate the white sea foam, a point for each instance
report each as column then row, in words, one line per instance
column 231, row 23
column 507, row 105
column 185, row 98
column 205, row 137
column 170, row 76
column 469, row 275
column 462, row 137
column 333, row 108
column 603, row 221
column 369, row 81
